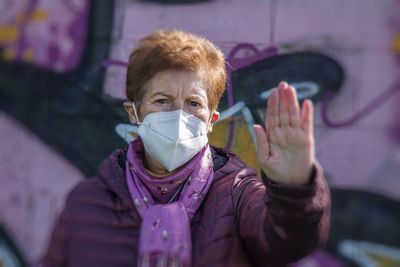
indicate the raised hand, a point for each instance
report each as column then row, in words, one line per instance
column 285, row 147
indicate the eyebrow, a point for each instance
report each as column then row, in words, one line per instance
column 197, row 96
column 193, row 96
column 160, row 93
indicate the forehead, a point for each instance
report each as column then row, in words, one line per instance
column 176, row 82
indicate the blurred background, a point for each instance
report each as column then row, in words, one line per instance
column 62, row 82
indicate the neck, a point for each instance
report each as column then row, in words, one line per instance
column 154, row 168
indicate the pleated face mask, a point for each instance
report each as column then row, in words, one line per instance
column 172, row 137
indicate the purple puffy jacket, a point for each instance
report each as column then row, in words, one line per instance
column 241, row 222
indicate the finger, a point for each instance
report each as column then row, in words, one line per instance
column 293, row 105
column 283, row 109
column 307, row 117
column 261, row 141
column 271, row 115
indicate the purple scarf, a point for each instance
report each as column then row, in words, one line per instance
column 167, row 205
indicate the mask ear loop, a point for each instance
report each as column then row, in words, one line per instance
column 136, row 115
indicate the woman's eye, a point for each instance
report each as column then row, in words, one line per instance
column 194, row 104
column 161, row 101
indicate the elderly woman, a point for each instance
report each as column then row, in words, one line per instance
column 171, row 199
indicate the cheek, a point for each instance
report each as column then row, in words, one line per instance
column 204, row 115
column 148, row 107
column 201, row 114
column 144, row 110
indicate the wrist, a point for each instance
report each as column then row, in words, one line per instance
column 302, row 180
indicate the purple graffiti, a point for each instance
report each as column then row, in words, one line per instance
column 372, row 106
column 50, row 35
column 21, row 44
column 236, row 63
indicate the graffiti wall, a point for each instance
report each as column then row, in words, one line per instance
column 62, row 82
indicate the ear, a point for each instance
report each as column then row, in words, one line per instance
column 214, row 119
column 129, row 109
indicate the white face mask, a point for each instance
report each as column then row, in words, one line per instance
column 172, row 138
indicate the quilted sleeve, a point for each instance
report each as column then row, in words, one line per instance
column 279, row 224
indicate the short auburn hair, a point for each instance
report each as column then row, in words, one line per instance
column 178, row 50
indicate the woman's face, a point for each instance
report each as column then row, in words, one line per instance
column 175, row 89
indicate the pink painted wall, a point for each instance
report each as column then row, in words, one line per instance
column 35, row 179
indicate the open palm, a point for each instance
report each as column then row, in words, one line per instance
column 285, row 147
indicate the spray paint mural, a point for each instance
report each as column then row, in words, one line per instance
column 32, row 31
column 62, row 81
